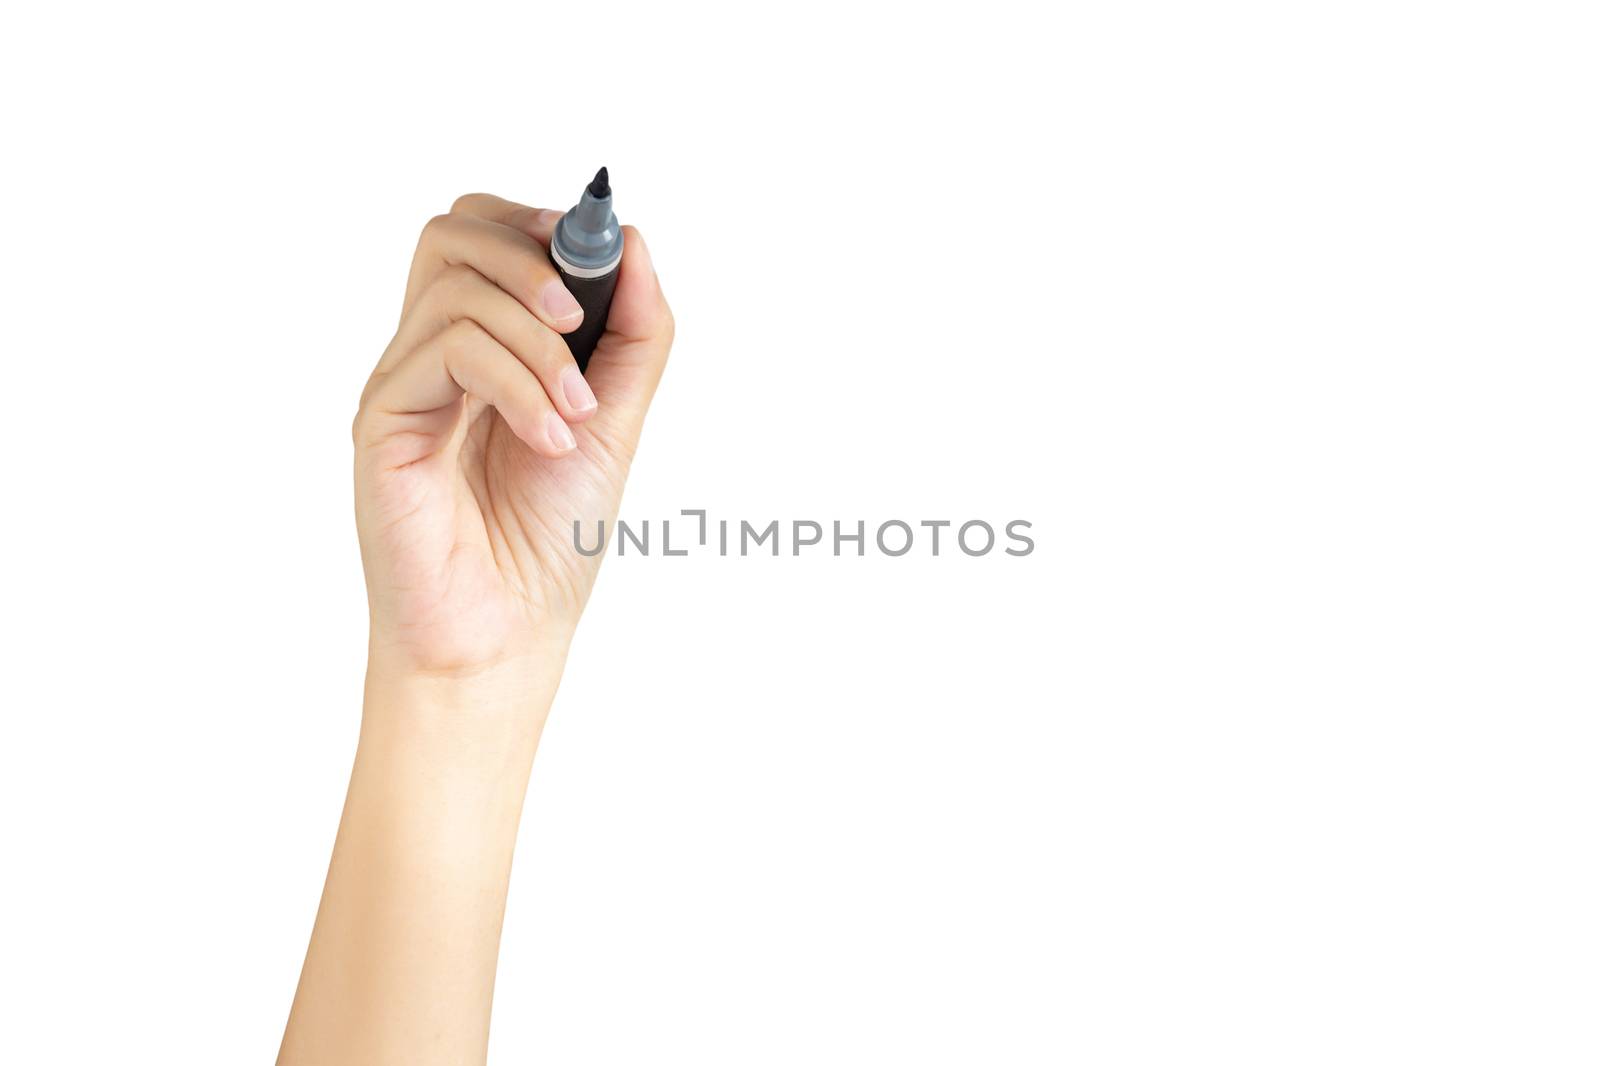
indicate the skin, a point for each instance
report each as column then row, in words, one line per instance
column 477, row 445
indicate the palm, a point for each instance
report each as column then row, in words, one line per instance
column 479, row 549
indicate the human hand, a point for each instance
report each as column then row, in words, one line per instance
column 478, row 443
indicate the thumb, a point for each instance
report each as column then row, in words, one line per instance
column 627, row 362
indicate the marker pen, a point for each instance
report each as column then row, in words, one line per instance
column 586, row 249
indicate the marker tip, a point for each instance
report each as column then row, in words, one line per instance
column 600, row 187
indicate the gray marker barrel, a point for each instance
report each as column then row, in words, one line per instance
column 587, row 249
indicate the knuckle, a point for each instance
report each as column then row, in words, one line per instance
column 466, row 202
column 431, row 228
column 361, row 430
column 448, row 285
column 461, row 338
column 544, row 345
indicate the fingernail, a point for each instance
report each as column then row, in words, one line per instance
column 580, row 397
column 559, row 303
column 560, row 436
column 549, row 217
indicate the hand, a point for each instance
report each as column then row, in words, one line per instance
column 478, row 442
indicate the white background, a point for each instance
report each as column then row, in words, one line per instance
column 1278, row 321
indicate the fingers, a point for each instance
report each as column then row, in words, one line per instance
column 484, row 310
column 461, row 293
column 536, row 222
column 627, row 363
column 417, row 400
column 506, row 256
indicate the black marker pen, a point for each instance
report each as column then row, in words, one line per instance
column 586, row 249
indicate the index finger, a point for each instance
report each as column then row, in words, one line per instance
column 536, row 222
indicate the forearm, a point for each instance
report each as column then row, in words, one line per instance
column 402, row 960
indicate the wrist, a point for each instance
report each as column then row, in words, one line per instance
column 481, row 716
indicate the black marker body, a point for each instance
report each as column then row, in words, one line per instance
column 586, row 248
column 594, row 296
